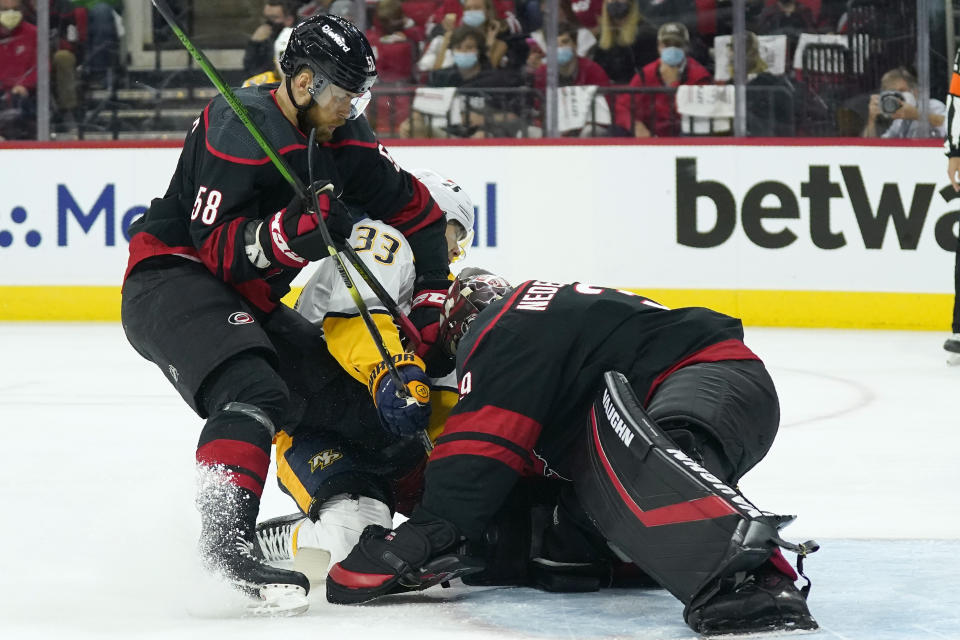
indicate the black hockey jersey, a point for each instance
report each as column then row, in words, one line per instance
column 529, row 368
column 223, row 180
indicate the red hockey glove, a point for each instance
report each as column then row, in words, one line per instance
column 425, row 315
column 291, row 237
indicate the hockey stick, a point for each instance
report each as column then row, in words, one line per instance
column 164, row 9
column 402, row 391
column 298, row 187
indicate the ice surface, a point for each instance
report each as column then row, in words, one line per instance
column 99, row 530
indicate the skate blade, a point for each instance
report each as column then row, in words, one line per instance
column 313, row 563
column 278, row 600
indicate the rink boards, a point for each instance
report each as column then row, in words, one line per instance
column 784, row 233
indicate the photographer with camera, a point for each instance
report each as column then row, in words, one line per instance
column 895, row 108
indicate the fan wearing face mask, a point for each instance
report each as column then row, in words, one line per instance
column 477, row 14
column 895, row 108
column 655, row 113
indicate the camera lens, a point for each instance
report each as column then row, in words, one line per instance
column 890, row 102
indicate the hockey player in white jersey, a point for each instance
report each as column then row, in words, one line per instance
column 343, row 481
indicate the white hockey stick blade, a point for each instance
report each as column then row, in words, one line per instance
column 313, row 563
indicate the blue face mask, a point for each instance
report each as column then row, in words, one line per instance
column 564, row 55
column 465, row 59
column 474, row 17
column 673, row 56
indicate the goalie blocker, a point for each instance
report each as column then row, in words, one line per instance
column 696, row 536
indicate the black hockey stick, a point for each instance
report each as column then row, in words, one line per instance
column 402, row 391
column 298, row 187
column 164, row 9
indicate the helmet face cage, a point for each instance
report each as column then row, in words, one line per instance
column 471, row 292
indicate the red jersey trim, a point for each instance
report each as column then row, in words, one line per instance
column 482, row 449
column 731, row 349
column 235, row 453
column 705, row 508
column 352, row 143
column 228, row 251
column 144, row 245
column 236, row 159
column 515, row 427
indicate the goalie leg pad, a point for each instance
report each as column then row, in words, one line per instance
column 674, row 519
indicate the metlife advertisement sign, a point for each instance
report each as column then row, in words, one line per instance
column 732, row 218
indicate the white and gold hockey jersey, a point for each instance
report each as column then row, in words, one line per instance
column 326, row 301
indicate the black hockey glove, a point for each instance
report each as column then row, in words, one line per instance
column 291, row 237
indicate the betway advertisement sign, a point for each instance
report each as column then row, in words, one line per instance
column 843, row 218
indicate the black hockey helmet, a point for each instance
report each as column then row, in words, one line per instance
column 336, row 51
column 472, row 291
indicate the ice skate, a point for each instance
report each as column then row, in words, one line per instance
column 765, row 600
column 228, row 549
column 277, row 543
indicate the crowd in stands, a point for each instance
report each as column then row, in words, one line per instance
column 477, row 68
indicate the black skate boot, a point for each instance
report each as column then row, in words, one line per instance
column 228, row 548
column 766, row 599
column 420, row 553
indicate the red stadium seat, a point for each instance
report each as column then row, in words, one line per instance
column 395, row 61
column 418, row 10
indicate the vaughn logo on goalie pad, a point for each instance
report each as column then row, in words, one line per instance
column 619, row 426
column 715, row 482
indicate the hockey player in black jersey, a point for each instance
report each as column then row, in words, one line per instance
column 210, row 261
column 646, row 416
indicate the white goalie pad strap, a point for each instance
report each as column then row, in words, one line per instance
column 341, row 520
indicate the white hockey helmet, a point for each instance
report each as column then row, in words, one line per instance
column 452, row 199
column 280, row 44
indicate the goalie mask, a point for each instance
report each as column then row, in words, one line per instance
column 472, row 291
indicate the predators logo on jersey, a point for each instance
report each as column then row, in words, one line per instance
column 324, row 459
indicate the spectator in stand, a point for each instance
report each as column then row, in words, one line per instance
column 65, row 53
column 103, row 40
column 277, row 16
column 655, row 114
column 476, row 14
column 786, row 17
column 770, row 98
column 572, row 69
column 274, row 74
column 893, row 112
column 485, row 114
column 391, row 25
column 585, row 38
column 18, row 73
column 502, row 10
column 587, row 13
column 627, row 40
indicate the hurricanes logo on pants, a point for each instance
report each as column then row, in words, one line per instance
column 324, row 459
